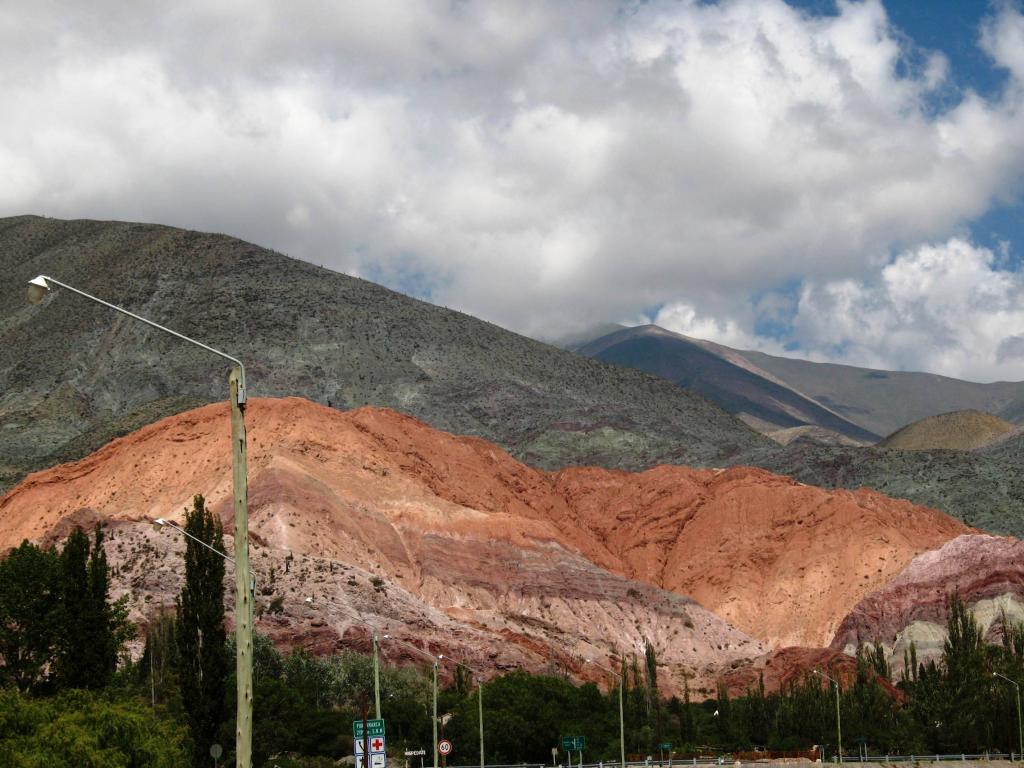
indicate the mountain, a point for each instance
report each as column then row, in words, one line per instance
column 723, row 376
column 514, row 563
column 73, row 374
column 957, row 431
column 883, row 401
column 986, row 572
column 983, row 488
column 774, row 393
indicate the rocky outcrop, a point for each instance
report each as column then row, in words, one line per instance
column 445, row 541
column 589, row 561
column 987, row 572
column 781, row 560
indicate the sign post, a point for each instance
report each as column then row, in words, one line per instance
column 662, row 749
column 369, row 742
column 573, row 744
column 444, row 747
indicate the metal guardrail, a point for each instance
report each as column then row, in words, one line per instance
column 727, row 760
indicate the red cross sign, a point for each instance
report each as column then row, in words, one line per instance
column 377, row 745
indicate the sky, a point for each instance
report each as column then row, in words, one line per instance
column 839, row 181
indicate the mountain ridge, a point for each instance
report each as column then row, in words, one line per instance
column 70, row 369
column 372, row 488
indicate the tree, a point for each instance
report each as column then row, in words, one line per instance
column 74, row 610
column 92, row 630
column 80, row 728
column 202, row 657
column 965, row 717
column 157, row 667
column 29, row 615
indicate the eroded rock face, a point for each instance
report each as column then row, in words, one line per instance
column 582, row 563
column 986, row 571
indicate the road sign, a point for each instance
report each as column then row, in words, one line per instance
column 415, row 752
column 667, row 746
column 574, row 743
column 376, row 745
column 377, row 760
column 444, row 747
column 375, row 727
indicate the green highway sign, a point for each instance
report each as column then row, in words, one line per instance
column 574, row 743
column 666, row 746
column 375, row 728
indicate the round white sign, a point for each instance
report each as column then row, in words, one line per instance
column 444, row 747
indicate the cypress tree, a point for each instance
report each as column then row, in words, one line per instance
column 75, row 599
column 92, row 629
column 101, row 651
column 200, row 635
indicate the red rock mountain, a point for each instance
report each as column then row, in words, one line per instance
column 586, row 561
column 987, row 572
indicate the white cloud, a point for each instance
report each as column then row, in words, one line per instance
column 545, row 164
column 945, row 308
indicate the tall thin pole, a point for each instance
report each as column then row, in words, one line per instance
column 622, row 729
column 243, row 577
column 839, row 727
column 1020, row 728
column 435, row 715
column 480, row 707
column 376, row 675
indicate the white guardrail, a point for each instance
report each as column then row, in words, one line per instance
column 727, row 760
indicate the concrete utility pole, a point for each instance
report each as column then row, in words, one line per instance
column 38, row 288
column 243, row 578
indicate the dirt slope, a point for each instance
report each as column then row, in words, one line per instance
column 466, row 528
column 957, row 431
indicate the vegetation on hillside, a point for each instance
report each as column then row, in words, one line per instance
column 304, row 706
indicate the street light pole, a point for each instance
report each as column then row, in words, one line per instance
column 1020, row 727
column 839, row 727
column 434, row 719
column 38, row 288
column 622, row 719
column 376, row 675
column 160, row 523
column 480, row 713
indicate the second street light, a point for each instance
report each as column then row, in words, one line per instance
column 38, row 288
column 622, row 720
column 839, row 727
column 1020, row 724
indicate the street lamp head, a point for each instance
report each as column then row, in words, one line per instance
column 158, row 524
column 37, row 289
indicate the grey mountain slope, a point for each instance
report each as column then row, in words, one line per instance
column 721, row 375
column 72, row 373
column 885, row 401
column 983, row 488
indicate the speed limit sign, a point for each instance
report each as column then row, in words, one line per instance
column 444, row 747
